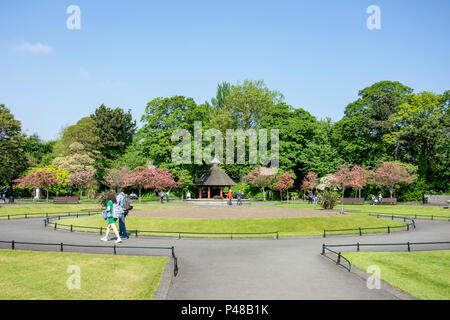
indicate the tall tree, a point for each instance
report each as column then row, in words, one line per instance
column 12, row 146
column 114, row 129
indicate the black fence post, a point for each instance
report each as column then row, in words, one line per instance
column 115, row 252
column 101, row 230
column 12, row 245
column 339, row 258
column 407, row 227
column 136, row 233
column 360, row 233
column 277, row 235
column 26, row 216
column 389, row 229
column 323, row 249
column 8, row 216
column 62, row 247
column 173, row 252
column 55, row 225
column 324, row 233
column 71, row 228
column 409, row 247
column 179, row 235
column 357, row 246
column 231, row 236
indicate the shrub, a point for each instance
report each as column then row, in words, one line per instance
column 328, row 200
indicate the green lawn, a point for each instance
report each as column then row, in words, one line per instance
column 55, row 209
column 285, row 226
column 424, row 275
column 30, row 275
column 403, row 210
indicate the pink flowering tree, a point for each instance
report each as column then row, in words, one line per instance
column 391, row 174
column 116, row 178
column 284, row 182
column 343, row 178
column 38, row 179
column 138, row 179
column 160, row 179
column 261, row 177
column 81, row 180
column 359, row 178
column 310, row 182
column 150, row 178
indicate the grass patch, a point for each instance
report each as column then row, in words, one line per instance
column 285, row 226
column 29, row 275
column 424, row 275
column 55, row 209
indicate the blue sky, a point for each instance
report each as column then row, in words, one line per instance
column 319, row 54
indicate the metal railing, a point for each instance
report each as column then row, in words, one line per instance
column 61, row 246
column 47, row 214
column 408, row 245
column 137, row 232
column 339, row 257
column 388, row 228
column 412, row 216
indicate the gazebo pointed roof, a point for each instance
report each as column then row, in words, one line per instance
column 215, row 177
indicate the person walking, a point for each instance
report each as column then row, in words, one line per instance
column 124, row 202
column 239, row 198
column 113, row 209
column 188, row 195
column 161, row 196
column 230, row 197
column 167, row 195
column 380, row 199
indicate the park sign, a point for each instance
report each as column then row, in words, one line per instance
column 257, row 144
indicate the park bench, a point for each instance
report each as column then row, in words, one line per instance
column 389, row 200
column 350, row 200
column 66, row 199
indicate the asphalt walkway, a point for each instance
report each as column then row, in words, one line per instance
column 289, row 268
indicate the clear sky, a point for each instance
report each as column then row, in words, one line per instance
column 319, row 54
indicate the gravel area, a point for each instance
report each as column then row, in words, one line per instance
column 233, row 213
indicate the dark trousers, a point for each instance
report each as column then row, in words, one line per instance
column 122, row 228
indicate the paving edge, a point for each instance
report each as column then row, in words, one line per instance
column 166, row 281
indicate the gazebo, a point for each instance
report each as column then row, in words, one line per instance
column 214, row 177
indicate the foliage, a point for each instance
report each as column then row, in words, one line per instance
column 114, row 129
column 261, row 177
column 328, row 199
column 38, row 179
column 116, row 178
column 76, row 160
column 391, row 174
column 81, row 180
column 12, row 145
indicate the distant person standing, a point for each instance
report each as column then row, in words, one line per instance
column 167, row 195
column 239, row 202
column 161, row 196
column 188, row 195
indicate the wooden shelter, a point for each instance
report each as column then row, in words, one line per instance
column 213, row 178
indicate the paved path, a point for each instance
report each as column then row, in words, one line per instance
column 247, row 268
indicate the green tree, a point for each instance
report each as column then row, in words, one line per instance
column 12, row 148
column 82, row 132
column 114, row 129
